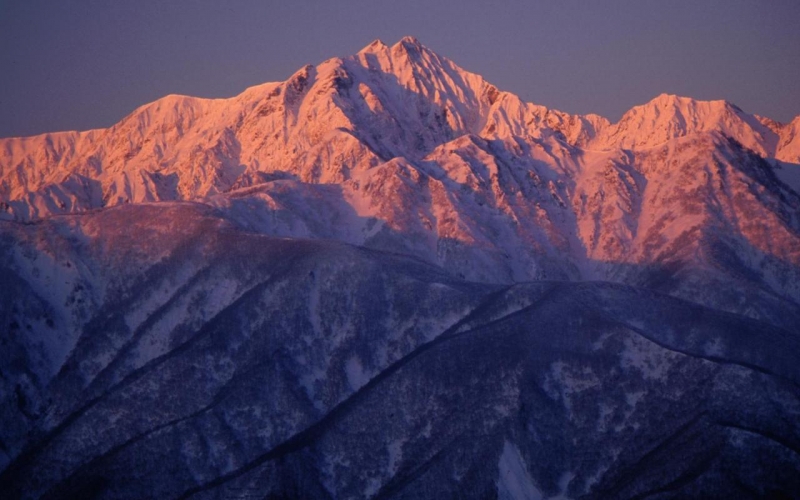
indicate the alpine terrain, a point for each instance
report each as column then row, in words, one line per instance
column 387, row 278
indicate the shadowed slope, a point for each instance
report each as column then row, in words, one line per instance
column 237, row 362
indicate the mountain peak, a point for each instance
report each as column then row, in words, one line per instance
column 669, row 116
column 410, row 40
column 376, row 45
column 664, row 99
column 690, row 106
column 410, row 45
column 678, row 102
column 404, row 100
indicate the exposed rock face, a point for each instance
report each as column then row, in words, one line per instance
column 385, row 277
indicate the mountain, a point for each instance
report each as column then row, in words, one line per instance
column 398, row 148
column 385, row 277
column 154, row 352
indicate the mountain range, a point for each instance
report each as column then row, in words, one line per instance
column 385, row 277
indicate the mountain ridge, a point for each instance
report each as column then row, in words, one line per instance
column 425, row 158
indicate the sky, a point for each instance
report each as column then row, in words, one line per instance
column 81, row 64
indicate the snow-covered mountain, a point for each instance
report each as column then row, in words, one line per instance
column 385, row 277
column 331, row 121
column 398, row 148
column 155, row 352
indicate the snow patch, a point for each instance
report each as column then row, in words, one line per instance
column 356, row 376
column 514, row 481
column 651, row 360
column 395, row 450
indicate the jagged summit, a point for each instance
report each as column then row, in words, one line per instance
column 410, row 40
column 455, row 170
column 379, row 45
column 374, row 46
column 383, row 102
column 410, row 44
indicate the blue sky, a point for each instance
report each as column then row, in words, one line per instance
column 85, row 64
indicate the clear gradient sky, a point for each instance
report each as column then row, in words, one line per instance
column 80, row 64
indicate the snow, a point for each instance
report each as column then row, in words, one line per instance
column 514, row 481
column 395, row 449
column 647, row 357
column 54, row 281
column 789, row 146
column 308, row 127
column 668, row 117
column 567, row 382
column 563, row 485
column 788, row 173
column 356, row 376
column 248, row 367
column 157, row 340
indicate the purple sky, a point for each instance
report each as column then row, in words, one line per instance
column 72, row 64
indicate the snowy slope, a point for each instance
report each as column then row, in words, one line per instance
column 211, row 362
column 789, row 142
column 787, row 168
column 668, row 117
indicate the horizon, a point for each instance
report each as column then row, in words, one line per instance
column 574, row 58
